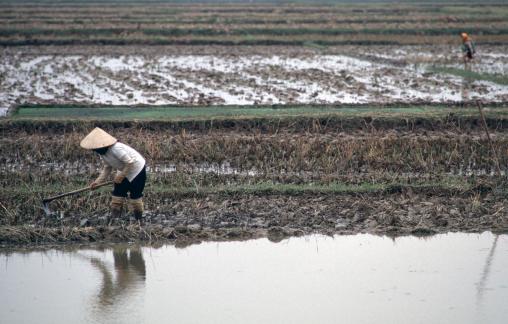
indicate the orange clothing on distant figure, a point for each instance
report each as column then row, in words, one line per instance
column 468, row 47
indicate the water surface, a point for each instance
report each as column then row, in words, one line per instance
column 452, row 278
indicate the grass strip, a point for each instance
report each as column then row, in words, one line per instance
column 33, row 32
column 182, row 113
column 267, row 188
column 205, row 20
column 499, row 79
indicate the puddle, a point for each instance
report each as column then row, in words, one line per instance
column 450, row 278
column 74, row 168
column 225, row 169
column 220, row 169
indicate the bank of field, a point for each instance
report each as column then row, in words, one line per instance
column 281, row 113
column 332, row 23
column 240, row 172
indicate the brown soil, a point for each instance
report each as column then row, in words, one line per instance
column 430, row 155
column 190, row 220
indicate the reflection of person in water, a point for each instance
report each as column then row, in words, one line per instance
column 130, row 270
column 466, row 85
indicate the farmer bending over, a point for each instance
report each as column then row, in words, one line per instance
column 468, row 48
column 130, row 166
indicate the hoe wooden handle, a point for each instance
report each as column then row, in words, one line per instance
column 47, row 200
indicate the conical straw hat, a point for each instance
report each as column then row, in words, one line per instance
column 97, row 139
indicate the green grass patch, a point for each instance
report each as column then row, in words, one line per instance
column 262, row 188
column 180, row 113
column 475, row 11
column 268, row 188
column 311, row 44
column 499, row 79
column 267, row 31
column 167, row 113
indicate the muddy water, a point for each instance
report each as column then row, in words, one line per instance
column 452, row 278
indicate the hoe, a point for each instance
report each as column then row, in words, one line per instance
column 46, row 201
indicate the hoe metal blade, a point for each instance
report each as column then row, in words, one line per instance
column 45, row 207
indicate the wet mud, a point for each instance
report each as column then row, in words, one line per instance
column 244, row 76
column 191, row 220
column 289, row 181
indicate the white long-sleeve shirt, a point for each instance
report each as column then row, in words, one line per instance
column 122, row 157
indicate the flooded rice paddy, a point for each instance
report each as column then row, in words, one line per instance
column 448, row 278
column 392, row 74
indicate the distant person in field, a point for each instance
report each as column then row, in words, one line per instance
column 131, row 171
column 468, row 48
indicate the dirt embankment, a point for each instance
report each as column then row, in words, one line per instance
column 111, row 22
column 275, row 180
column 216, row 217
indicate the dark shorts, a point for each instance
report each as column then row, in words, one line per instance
column 469, row 55
column 134, row 188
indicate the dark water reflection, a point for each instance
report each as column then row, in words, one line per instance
column 454, row 278
column 129, row 271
